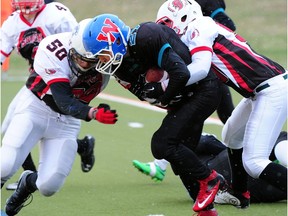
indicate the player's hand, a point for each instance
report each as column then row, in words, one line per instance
column 152, row 90
column 159, row 104
column 136, row 87
column 104, row 114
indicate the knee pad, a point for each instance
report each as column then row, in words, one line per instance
column 50, row 185
column 254, row 167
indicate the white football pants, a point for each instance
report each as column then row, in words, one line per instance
column 34, row 121
column 256, row 123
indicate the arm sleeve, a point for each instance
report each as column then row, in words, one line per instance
column 178, row 74
column 225, row 20
column 200, row 66
column 67, row 103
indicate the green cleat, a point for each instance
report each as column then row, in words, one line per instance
column 156, row 173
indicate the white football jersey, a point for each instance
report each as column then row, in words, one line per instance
column 51, row 65
column 52, row 19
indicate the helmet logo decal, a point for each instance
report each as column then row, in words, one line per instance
column 176, row 5
column 108, row 28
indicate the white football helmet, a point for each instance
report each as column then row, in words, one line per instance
column 177, row 14
column 77, row 50
column 28, row 6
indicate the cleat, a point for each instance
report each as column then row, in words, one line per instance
column 16, row 202
column 12, row 186
column 211, row 212
column 208, row 189
column 156, row 173
column 239, row 200
column 88, row 157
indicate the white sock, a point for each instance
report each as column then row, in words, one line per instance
column 161, row 163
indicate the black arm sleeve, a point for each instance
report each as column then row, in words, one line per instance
column 178, row 74
column 67, row 103
column 225, row 20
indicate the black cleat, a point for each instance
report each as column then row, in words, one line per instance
column 16, row 202
column 88, row 157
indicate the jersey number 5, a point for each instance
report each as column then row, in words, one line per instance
column 57, row 48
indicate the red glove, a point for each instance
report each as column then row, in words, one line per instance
column 104, row 115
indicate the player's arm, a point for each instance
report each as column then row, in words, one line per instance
column 199, row 39
column 7, row 43
column 67, row 103
column 178, row 74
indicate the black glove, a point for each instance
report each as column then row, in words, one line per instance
column 105, row 106
column 175, row 100
column 152, row 90
column 136, row 87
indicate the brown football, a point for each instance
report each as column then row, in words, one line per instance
column 156, row 74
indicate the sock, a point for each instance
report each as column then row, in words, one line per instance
column 81, row 146
column 239, row 175
column 161, row 163
column 192, row 187
column 29, row 164
column 276, row 175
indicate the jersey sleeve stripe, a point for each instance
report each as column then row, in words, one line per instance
column 57, row 80
column 219, row 10
column 201, row 48
column 160, row 55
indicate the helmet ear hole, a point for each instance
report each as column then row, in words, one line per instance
column 183, row 19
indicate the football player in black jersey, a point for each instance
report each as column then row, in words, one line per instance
column 152, row 45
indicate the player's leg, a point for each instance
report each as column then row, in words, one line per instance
column 58, row 148
column 265, row 123
column 178, row 136
column 279, row 153
column 21, row 136
column 57, row 154
column 156, row 169
column 232, row 135
column 27, row 165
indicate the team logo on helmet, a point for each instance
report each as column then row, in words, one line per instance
column 176, row 5
column 108, row 28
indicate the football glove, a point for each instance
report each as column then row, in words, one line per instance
column 152, row 90
column 136, row 87
column 104, row 114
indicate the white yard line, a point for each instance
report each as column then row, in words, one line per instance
column 145, row 105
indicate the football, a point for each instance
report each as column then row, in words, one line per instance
column 156, row 74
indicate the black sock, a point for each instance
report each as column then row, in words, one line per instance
column 239, row 175
column 276, row 175
column 29, row 164
column 81, row 146
column 192, row 187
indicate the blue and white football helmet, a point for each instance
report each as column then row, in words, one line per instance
column 107, row 35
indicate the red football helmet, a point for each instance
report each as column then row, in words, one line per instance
column 28, row 6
